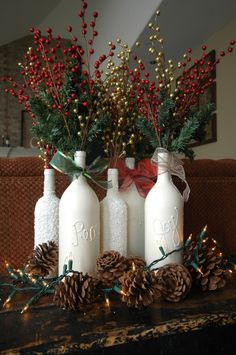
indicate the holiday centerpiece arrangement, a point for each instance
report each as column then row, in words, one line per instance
column 75, row 102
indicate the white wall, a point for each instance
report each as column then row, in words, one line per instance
column 122, row 18
column 225, row 147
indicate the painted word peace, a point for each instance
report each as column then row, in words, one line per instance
column 82, row 233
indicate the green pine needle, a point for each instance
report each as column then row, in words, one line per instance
column 148, row 131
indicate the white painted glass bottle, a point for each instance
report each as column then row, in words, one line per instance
column 79, row 223
column 135, row 224
column 46, row 214
column 163, row 216
column 114, row 218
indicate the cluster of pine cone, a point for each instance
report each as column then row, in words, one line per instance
column 138, row 285
column 211, row 270
column 110, row 266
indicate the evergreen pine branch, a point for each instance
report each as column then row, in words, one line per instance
column 185, row 135
column 166, row 120
column 49, row 126
column 193, row 128
column 97, row 128
column 147, row 130
column 165, row 116
column 189, row 153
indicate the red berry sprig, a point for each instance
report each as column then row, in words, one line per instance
column 196, row 80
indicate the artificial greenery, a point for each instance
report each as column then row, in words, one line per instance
column 175, row 135
column 52, row 127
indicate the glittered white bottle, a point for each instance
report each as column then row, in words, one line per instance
column 114, row 218
column 79, row 223
column 46, row 213
column 135, row 224
column 163, row 217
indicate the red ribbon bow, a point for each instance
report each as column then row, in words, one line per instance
column 143, row 176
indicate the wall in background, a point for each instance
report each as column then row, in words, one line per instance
column 10, row 109
column 124, row 19
column 225, row 147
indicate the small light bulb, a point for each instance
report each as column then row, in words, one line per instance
column 24, row 309
column 107, row 301
column 200, row 271
column 6, row 302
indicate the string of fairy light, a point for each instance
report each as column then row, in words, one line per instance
column 40, row 286
column 25, row 282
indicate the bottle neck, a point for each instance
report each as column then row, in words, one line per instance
column 163, row 170
column 49, row 182
column 130, row 162
column 112, row 175
column 80, row 161
column 80, row 158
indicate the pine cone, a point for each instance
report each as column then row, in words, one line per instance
column 211, row 273
column 174, row 281
column 44, row 259
column 75, row 291
column 139, row 288
column 135, row 261
column 110, row 266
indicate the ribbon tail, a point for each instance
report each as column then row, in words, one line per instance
column 186, row 192
column 103, row 184
column 98, row 165
column 126, row 184
column 181, row 176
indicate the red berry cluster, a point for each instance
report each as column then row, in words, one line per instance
column 89, row 37
column 194, row 81
column 46, row 65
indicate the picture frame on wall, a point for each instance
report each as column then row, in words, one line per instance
column 211, row 133
column 27, row 140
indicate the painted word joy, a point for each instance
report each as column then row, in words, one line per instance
column 167, row 230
